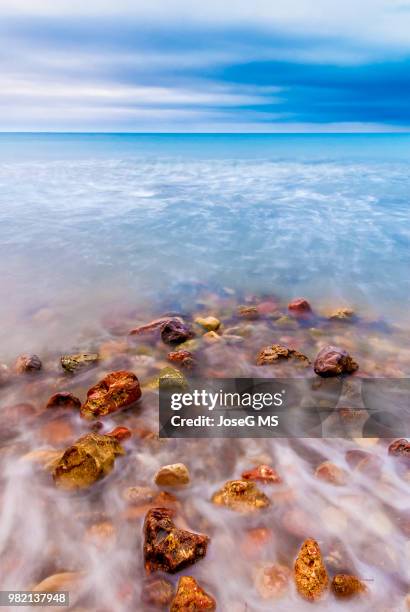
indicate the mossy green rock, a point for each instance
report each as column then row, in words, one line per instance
column 78, row 361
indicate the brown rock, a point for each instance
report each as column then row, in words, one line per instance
column 27, row 363
column 190, row 597
column 400, row 448
column 157, row 592
column 174, row 475
column 272, row 581
column 64, row 581
column 299, row 306
column 64, row 400
column 185, row 358
column 331, row 473
column 116, row 391
column 310, row 573
column 334, row 361
column 241, row 496
column 120, row 433
column 89, row 459
column 149, row 328
column 263, row 473
column 56, row 432
column 345, row 586
column 167, row 548
column 175, row 331
column 272, row 354
column 102, row 534
column 248, row 312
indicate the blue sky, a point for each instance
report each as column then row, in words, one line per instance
column 195, row 66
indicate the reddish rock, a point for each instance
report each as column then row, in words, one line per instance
column 345, row 586
column 149, row 328
column 167, row 548
column 255, row 541
column 400, row 448
column 175, row 331
column 329, row 472
column 56, row 432
column 310, row 573
column 17, row 414
column 157, row 592
column 64, row 400
column 334, row 361
column 299, row 306
column 275, row 353
column 263, row 473
column 120, row 433
column 364, row 462
column 185, row 358
column 272, row 581
column 190, row 597
column 27, row 363
column 115, row 391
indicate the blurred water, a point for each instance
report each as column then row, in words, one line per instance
column 91, row 221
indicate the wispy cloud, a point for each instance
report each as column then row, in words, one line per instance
column 177, row 65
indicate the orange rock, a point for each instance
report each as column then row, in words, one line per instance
column 190, row 597
column 115, row 391
column 120, row 433
column 101, row 534
column 263, row 473
column 400, row 448
column 331, row 473
column 310, row 573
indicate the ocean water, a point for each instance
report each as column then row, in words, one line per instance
column 92, row 223
column 101, row 233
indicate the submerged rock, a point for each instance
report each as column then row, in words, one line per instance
column 64, row 581
column 86, row 461
column 4, row 374
column 211, row 337
column 334, row 361
column 400, row 448
column 248, row 312
column 299, row 306
column 149, row 328
column 345, row 586
column 241, row 496
column 263, row 473
column 64, row 400
column 342, row 314
column 167, row 548
column 331, row 473
column 208, row 323
column 115, row 391
column 174, row 475
column 157, row 592
column 272, row 354
column 310, row 573
column 183, row 357
column 190, row 597
column 27, row 364
column 272, row 581
column 79, row 361
column 46, row 459
column 175, row 331
column 171, row 378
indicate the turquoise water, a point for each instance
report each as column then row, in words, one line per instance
column 94, row 222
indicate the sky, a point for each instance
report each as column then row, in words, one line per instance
column 205, row 65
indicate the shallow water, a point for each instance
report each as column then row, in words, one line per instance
column 100, row 234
